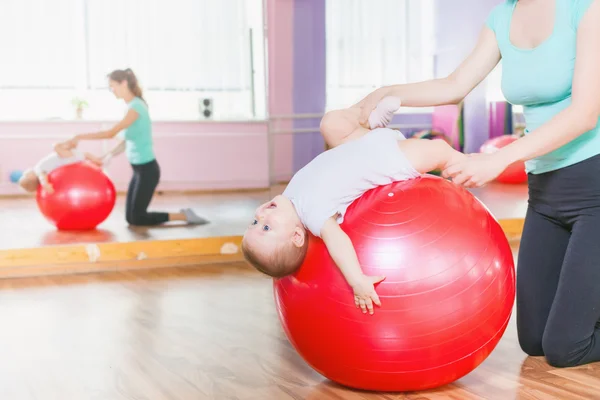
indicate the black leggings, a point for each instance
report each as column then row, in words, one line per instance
column 558, row 270
column 141, row 189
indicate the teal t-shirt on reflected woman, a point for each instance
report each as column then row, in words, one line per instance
column 138, row 136
column 540, row 79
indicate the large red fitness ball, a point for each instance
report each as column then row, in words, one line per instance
column 514, row 173
column 83, row 197
column 446, row 300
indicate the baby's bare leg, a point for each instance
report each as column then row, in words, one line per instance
column 63, row 151
column 429, row 155
column 341, row 126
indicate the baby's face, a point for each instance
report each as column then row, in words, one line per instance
column 274, row 223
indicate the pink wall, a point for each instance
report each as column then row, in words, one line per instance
column 193, row 156
column 280, row 40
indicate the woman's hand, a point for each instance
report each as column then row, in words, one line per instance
column 369, row 103
column 475, row 170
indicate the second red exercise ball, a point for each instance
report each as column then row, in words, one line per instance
column 83, row 197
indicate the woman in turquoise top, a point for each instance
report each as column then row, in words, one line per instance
column 550, row 51
column 139, row 149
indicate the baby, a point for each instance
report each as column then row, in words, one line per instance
column 361, row 158
column 64, row 154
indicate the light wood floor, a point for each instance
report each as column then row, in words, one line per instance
column 209, row 332
column 229, row 214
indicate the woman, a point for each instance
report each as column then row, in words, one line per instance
column 551, row 56
column 139, row 149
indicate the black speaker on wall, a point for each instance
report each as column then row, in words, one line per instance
column 206, row 108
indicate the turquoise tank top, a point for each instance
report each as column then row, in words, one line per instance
column 138, row 136
column 541, row 79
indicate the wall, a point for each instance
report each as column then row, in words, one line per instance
column 458, row 24
column 222, row 155
column 193, row 156
column 307, row 69
column 309, row 93
column 280, row 54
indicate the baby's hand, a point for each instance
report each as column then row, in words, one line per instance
column 365, row 294
column 48, row 188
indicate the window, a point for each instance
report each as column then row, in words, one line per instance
column 183, row 51
column 375, row 43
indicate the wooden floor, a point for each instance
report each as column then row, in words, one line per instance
column 208, row 332
column 229, row 214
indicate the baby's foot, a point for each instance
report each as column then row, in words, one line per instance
column 382, row 115
column 192, row 218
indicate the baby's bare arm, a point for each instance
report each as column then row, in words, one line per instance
column 342, row 252
column 429, row 155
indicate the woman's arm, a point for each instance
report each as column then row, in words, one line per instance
column 118, row 149
column 579, row 117
column 450, row 90
column 129, row 119
column 105, row 159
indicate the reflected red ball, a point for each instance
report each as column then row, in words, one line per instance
column 446, row 300
column 515, row 172
column 83, row 197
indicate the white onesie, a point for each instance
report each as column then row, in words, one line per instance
column 327, row 185
column 53, row 161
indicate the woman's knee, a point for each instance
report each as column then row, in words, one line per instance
column 531, row 345
column 136, row 219
column 560, row 352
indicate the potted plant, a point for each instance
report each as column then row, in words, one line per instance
column 79, row 104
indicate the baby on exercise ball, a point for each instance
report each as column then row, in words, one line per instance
column 361, row 158
column 63, row 154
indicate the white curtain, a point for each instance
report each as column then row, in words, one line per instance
column 371, row 43
column 39, row 42
column 172, row 44
column 191, row 45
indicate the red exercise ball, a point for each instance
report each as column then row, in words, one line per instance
column 514, row 173
column 446, row 300
column 83, row 197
